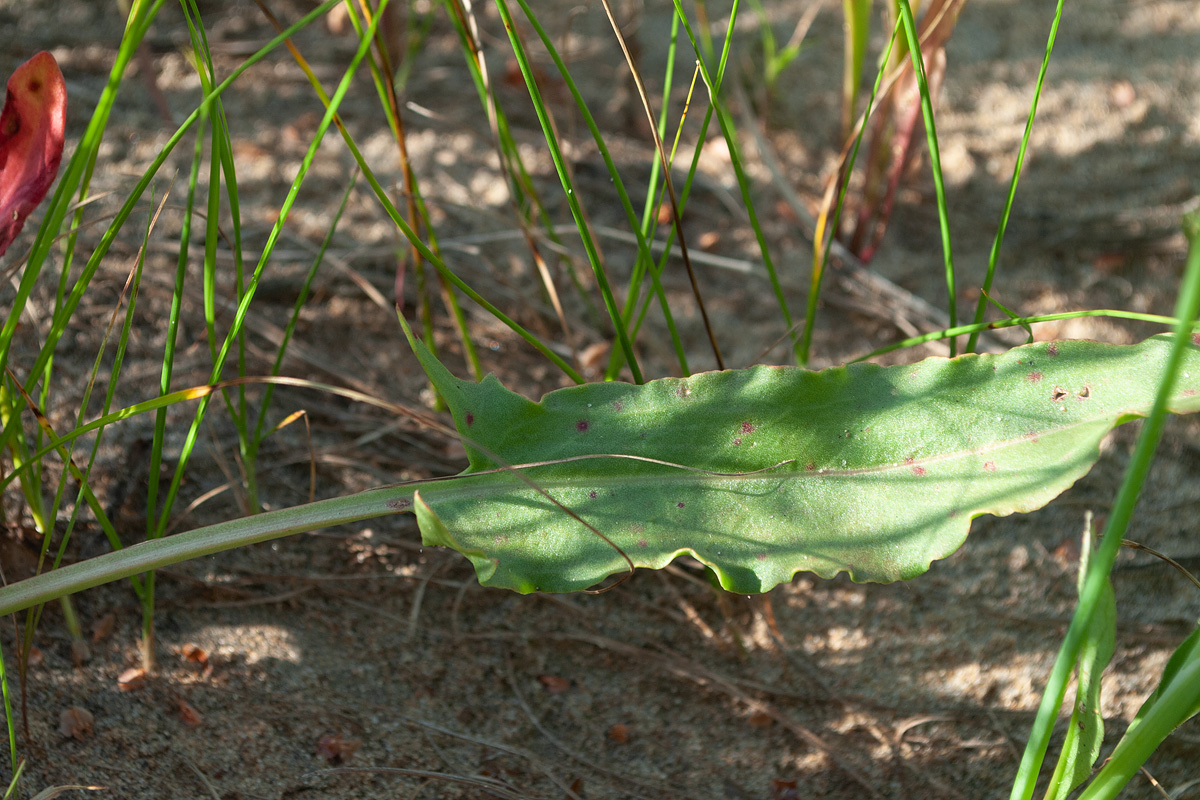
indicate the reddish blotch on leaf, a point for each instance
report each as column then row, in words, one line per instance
column 31, row 140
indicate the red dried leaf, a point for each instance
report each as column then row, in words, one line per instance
column 619, row 733
column 31, row 140
column 554, row 684
column 75, row 722
column 189, row 715
column 784, row 790
column 335, row 749
column 194, row 653
column 760, row 719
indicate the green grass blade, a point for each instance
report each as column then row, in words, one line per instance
column 857, row 14
column 568, row 185
column 1085, row 730
column 1187, row 308
column 11, row 727
column 818, row 273
column 1023, row 322
column 297, row 307
column 935, row 161
column 994, row 256
column 728, row 130
column 268, row 248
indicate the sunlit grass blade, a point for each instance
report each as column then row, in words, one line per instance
column 935, row 161
column 264, row 258
column 1085, row 730
column 669, row 185
column 857, row 15
column 1021, row 322
column 220, row 161
column 568, row 184
column 645, row 262
column 1187, row 309
column 383, row 75
column 643, row 249
column 729, row 132
column 10, row 724
column 260, row 432
column 994, row 256
column 823, row 234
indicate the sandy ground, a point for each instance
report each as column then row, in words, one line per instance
column 352, row 663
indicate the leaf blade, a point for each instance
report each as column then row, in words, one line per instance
column 762, row 473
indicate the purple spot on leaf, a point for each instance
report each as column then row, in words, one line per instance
column 918, row 471
column 618, row 405
column 581, row 426
column 679, row 505
column 1052, row 350
column 592, row 495
column 399, row 504
column 989, row 466
column 642, row 543
column 761, row 556
column 747, row 427
column 470, row 419
column 1033, row 377
column 737, row 441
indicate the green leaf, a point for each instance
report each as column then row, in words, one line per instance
column 1085, row 732
column 1187, row 653
column 766, row 472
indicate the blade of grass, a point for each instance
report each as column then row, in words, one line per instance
column 1187, row 309
column 994, row 256
column 572, row 198
column 10, row 722
column 822, row 241
column 728, row 131
column 264, row 258
column 667, row 182
column 301, row 298
column 643, row 248
column 857, row 14
column 935, row 161
column 645, row 264
column 1015, row 322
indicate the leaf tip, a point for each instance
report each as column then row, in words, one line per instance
column 32, row 131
